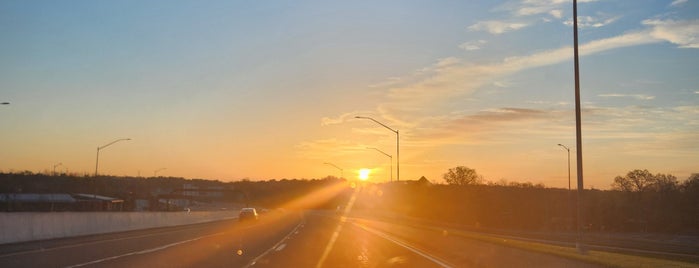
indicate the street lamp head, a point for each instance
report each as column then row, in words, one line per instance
column 5, row 103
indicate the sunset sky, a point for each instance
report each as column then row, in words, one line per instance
column 269, row 89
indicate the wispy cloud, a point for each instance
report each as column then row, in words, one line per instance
column 497, row 27
column 473, row 45
column 592, row 22
column 635, row 96
column 684, row 33
column 677, row 3
column 408, row 106
column 325, row 121
column 556, row 13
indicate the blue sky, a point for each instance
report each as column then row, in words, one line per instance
column 269, row 90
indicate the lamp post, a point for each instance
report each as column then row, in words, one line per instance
column 155, row 173
column 389, row 156
column 570, row 200
column 397, row 143
column 567, row 149
column 54, row 168
column 342, row 172
column 97, row 161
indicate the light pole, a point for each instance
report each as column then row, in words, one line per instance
column 389, row 156
column 342, row 172
column 97, row 161
column 567, row 149
column 397, row 143
column 155, row 173
column 570, row 200
column 54, row 168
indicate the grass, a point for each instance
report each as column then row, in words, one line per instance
column 609, row 259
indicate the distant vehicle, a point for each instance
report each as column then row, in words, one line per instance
column 247, row 214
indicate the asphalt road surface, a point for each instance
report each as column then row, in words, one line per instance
column 303, row 239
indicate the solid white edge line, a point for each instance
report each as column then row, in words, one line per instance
column 404, row 245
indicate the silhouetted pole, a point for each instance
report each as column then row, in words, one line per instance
column 567, row 149
column 397, row 143
column 54, row 168
column 578, row 130
column 155, row 173
column 342, row 171
column 97, row 161
column 389, row 156
column 570, row 200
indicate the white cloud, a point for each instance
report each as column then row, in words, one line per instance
column 635, row 96
column 677, row 3
column 326, row 121
column 473, row 45
column 556, row 13
column 591, row 22
column 684, row 33
column 497, row 27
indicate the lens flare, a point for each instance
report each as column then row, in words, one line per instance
column 364, row 174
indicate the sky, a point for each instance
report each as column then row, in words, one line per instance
column 261, row 90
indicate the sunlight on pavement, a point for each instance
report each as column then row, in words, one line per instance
column 336, row 233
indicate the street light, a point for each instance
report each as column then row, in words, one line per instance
column 570, row 200
column 342, row 172
column 155, row 173
column 54, row 167
column 567, row 149
column 389, row 156
column 4, row 103
column 397, row 143
column 97, row 161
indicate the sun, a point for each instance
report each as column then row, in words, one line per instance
column 364, row 174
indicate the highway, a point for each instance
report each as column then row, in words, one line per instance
column 291, row 239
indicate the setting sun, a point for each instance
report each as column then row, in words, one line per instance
column 364, row 174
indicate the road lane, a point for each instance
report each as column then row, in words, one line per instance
column 464, row 252
column 354, row 247
column 310, row 239
column 220, row 244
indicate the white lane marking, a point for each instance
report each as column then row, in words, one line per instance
column 280, row 247
column 295, row 230
column 142, row 251
column 404, row 245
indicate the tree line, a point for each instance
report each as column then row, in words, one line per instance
column 638, row 201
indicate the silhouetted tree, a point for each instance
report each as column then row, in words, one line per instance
column 462, row 176
column 634, row 181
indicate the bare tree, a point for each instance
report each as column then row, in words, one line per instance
column 634, row 181
column 462, row 176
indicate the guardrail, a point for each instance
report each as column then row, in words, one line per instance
column 30, row 226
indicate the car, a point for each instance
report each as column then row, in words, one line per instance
column 247, row 214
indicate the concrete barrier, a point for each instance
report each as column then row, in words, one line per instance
column 30, row 226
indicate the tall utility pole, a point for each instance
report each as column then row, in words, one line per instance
column 578, row 131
